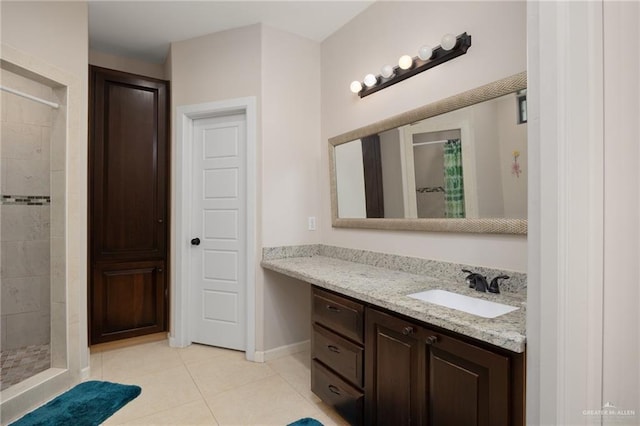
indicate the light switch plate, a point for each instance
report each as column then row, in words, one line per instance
column 312, row 223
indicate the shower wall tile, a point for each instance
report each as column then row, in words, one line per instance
column 26, row 294
column 24, row 258
column 57, row 204
column 59, row 335
column 21, row 110
column 58, row 271
column 31, row 328
column 25, row 177
column 3, row 331
column 45, row 143
column 23, row 141
column 58, row 141
column 21, row 222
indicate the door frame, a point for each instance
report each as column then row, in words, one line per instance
column 181, row 204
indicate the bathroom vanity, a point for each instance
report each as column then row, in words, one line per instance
column 381, row 357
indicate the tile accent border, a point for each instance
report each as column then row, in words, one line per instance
column 517, row 283
column 25, row 200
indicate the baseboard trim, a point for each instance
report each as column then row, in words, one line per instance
column 279, row 352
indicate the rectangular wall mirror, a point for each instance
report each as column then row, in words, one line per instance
column 457, row 165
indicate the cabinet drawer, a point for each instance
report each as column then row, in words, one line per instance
column 344, row 398
column 341, row 355
column 339, row 314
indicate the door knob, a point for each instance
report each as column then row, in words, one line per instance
column 195, row 241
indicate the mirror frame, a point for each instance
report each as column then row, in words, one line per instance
column 487, row 92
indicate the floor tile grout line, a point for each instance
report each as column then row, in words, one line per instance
column 305, row 398
column 215, row 419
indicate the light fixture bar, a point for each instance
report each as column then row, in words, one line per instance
column 439, row 56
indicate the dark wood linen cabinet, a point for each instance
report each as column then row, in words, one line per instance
column 128, row 205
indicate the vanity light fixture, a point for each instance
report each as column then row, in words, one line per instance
column 428, row 57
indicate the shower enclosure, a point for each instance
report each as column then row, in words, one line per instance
column 32, row 268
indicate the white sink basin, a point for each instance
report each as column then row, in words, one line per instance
column 471, row 305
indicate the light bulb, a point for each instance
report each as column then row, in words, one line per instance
column 370, row 80
column 425, row 52
column 448, row 41
column 386, row 71
column 355, row 87
column 405, row 62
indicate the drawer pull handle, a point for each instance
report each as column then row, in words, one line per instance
column 432, row 340
column 334, row 389
column 332, row 308
column 333, row 349
column 407, row 331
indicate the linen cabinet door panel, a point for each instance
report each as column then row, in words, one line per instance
column 467, row 385
column 395, row 371
column 129, row 299
column 129, row 167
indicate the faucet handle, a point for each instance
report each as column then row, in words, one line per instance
column 494, row 286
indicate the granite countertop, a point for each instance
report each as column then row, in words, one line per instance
column 389, row 288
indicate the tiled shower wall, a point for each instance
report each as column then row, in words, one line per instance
column 25, row 230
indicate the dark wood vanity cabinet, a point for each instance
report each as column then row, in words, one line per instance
column 379, row 368
column 337, row 353
column 416, row 375
column 395, row 371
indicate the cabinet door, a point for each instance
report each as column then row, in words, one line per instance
column 394, row 371
column 467, row 385
column 129, row 299
column 128, row 166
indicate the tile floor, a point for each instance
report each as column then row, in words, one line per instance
column 202, row 385
column 17, row 365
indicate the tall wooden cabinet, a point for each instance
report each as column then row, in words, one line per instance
column 128, row 207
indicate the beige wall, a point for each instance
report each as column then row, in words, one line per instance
column 290, row 172
column 380, row 35
column 120, row 63
column 216, row 67
column 282, row 71
column 621, row 325
column 52, row 39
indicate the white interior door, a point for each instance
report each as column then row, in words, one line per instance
column 218, row 220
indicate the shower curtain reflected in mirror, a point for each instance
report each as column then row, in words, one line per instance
column 25, row 231
column 453, row 182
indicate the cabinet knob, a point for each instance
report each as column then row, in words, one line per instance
column 160, row 270
column 160, row 220
column 431, row 340
column 407, row 331
column 195, row 241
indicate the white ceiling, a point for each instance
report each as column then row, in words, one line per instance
column 144, row 29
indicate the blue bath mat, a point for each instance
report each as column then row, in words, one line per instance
column 307, row 421
column 87, row 404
